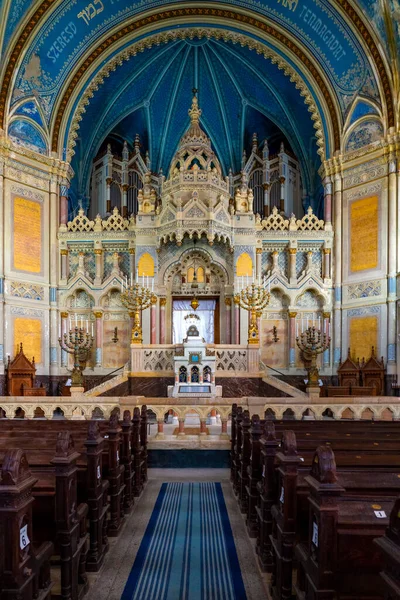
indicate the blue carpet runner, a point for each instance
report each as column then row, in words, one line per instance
column 188, row 551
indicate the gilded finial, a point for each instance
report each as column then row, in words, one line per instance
column 195, row 111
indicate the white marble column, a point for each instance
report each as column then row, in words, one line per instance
column 292, row 265
column 63, row 206
column 292, row 338
column 258, row 263
column 99, row 338
column 163, row 302
column 153, row 322
column 328, row 203
column 327, row 263
column 54, row 210
column 392, row 266
column 228, row 316
column 337, row 310
column 64, row 329
column 64, row 264
column 326, row 330
column 2, row 315
column 98, row 256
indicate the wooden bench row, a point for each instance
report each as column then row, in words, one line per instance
column 286, row 490
column 82, row 482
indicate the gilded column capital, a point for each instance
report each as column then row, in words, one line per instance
column 131, row 250
column 98, row 251
column 292, row 314
column 282, row 180
column 266, row 186
column 326, row 315
column 163, row 301
column 64, row 315
column 154, row 300
column 64, row 252
column 292, row 250
column 258, row 250
column 228, row 302
column 327, row 250
column 98, row 314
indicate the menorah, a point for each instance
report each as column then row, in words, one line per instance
column 311, row 343
column 253, row 298
column 137, row 298
column 78, row 343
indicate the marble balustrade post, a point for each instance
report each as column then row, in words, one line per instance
column 292, row 338
column 224, row 425
column 392, row 267
column 326, row 330
column 327, row 263
column 160, row 426
column 64, row 329
column 64, row 263
column 203, row 427
column 153, row 322
column 163, row 302
column 228, row 316
column 181, row 426
column 337, row 310
column 99, row 338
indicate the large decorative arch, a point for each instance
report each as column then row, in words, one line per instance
column 259, row 20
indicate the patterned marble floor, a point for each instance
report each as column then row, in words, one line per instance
column 109, row 583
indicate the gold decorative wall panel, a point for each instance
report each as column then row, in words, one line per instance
column 363, row 334
column 364, row 234
column 146, row 265
column 27, row 225
column 29, row 332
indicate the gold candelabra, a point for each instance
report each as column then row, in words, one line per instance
column 78, row 343
column 311, row 343
column 137, row 298
column 253, row 298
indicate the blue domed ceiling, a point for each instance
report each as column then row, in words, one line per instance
column 240, row 92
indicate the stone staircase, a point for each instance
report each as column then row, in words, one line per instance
column 109, row 384
column 281, row 385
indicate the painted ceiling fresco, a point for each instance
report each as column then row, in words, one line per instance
column 149, row 94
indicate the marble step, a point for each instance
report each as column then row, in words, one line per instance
column 284, row 387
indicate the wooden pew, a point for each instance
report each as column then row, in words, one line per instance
column 254, row 471
column 115, row 476
column 137, row 453
column 24, row 569
column 339, row 558
column 233, row 438
column 389, row 546
column 72, row 541
column 284, row 513
column 244, row 460
column 143, row 442
column 267, row 496
column 97, row 498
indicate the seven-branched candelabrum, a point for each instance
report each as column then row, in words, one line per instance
column 78, row 343
column 253, row 298
column 311, row 343
column 137, row 298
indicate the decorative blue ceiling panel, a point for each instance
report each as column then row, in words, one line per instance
column 152, row 96
column 74, row 27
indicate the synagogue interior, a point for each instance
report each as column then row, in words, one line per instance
column 200, row 300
